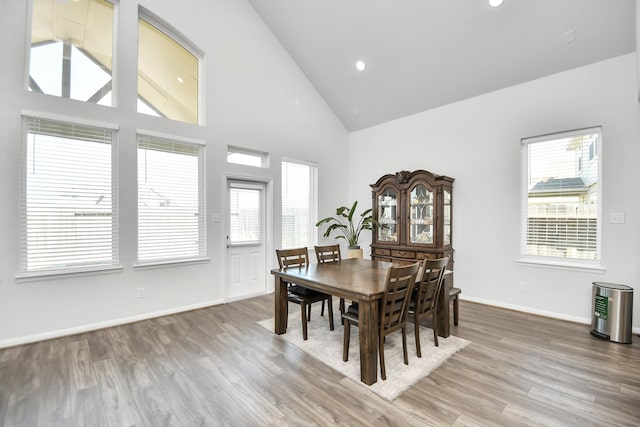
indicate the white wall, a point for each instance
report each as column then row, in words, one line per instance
column 477, row 141
column 638, row 44
column 256, row 97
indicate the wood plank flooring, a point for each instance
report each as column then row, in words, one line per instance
column 216, row 366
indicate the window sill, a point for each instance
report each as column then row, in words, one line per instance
column 169, row 263
column 63, row 274
column 561, row 265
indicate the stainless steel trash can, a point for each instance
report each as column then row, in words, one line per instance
column 612, row 312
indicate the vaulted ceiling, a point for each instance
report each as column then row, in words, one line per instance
column 422, row 54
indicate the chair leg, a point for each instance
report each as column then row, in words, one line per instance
column 345, row 344
column 416, row 328
column 455, row 311
column 341, row 309
column 303, row 310
column 330, row 304
column 404, row 345
column 435, row 328
column 309, row 313
column 383, row 371
column 322, row 309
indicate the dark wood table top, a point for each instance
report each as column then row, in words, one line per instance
column 354, row 278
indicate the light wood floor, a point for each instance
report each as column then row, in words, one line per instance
column 216, row 366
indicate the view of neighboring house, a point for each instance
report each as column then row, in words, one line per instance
column 562, row 207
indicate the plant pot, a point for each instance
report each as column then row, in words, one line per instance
column 354, row 252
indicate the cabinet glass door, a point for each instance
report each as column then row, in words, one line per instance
column 447, row 217
column 421, row 215
column 388, row 216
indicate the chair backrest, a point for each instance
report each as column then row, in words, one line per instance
column 430, row 285
column 288, row 258
column 399, row 284
column 328, row 253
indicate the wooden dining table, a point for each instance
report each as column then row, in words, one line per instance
column 355, row 279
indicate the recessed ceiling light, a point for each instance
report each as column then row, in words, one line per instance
column 495, row 3
column 180, row 79
column 360, row 65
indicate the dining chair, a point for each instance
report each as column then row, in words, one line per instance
column 329, row 253
column 399, row 284
column 453, row 296
column 424, row 301
column 305, row 297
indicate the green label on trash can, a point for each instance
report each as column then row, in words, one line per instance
column 601, row 307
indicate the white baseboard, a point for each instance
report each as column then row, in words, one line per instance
column 544, row 313
column 28, row 339
column 247, row 296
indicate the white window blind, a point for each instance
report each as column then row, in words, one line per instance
column 68, row 204
column 245, row 214
column 298, row 204
column 170, row 200
column 561, row 194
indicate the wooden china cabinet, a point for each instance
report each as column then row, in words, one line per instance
column 413, row 210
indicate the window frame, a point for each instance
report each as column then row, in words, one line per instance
column 551, row 261
column 114, row 266
column 202, row 204
column 242, row 185
column 313, row 202
column 161, row 25
column 114, row 53
column 127, row 252
column 264, row 157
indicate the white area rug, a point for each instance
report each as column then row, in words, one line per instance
column 326, row 346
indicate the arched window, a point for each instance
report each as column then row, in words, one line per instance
column 168, row 72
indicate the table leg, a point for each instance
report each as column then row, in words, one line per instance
column 281, row 302
column 444, row 329
column 368, row 319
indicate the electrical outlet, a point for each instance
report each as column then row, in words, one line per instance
column 140, row 292
column 570, row 36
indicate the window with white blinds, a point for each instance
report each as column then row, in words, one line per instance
column 68, row 199
column 170, row 200
column 245, row 213
column 298, row 204
column 561, row 197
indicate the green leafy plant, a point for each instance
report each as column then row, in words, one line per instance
column 343, row 223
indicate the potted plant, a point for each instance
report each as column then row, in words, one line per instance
column 343, row 223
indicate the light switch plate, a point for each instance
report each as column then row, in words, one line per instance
column 617, row 218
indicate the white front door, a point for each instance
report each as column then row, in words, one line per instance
column 246, row 250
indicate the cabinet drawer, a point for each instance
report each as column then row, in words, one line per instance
column 424, row 255
column 403, row 254
column 379, row 251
